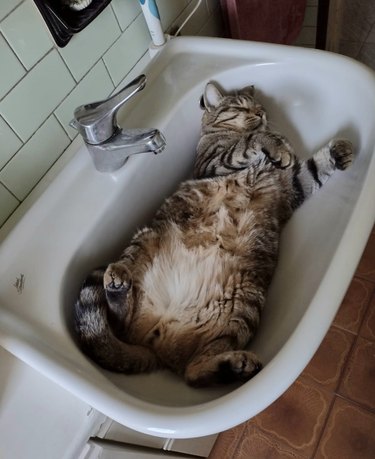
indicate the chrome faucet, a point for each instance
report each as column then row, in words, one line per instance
column 109, row 145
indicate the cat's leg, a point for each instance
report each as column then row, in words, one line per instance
column 224, row 367
column 118, row 277
column 118, row 282
column 311, row 174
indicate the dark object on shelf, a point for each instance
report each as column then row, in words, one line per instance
column 322, row 25
column 264, row 20
column 63, row 22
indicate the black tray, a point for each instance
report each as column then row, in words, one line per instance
column 64, row 22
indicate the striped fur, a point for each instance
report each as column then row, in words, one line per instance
column 188, row 292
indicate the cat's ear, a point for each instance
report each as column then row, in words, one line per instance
column 212, row 96
column 249, row 90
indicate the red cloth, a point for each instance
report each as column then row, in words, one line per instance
column 274, row 21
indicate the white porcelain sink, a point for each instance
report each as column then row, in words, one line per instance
column 84, row 219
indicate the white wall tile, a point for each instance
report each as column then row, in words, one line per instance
column 8, row 204
column 135, row 71
column 126, row 11
column 40, row 86
column 9, row 142
column 6, row 6
column 27, row 167
column 87, row 47
column 11, row 69
column 127, row 50
column 37, row 95
column 26, row 34
column 96, row 85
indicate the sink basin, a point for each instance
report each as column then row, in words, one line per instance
column 84, row 218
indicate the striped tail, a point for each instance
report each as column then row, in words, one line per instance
column 96, row 338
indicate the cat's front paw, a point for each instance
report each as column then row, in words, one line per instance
column 341, row 151
column 117, row 278
column 280, row 157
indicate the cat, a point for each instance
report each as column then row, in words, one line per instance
column 188, row 292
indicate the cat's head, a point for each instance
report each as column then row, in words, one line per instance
column 237, row 112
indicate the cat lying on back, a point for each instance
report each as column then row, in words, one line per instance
column 188, row 292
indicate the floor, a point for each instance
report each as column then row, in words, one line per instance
column 329, row 412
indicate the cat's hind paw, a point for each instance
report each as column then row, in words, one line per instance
column 224, row 368
column 341, row 151
column 238, row 366
column 117, row 278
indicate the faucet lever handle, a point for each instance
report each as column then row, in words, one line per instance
column 96, row 122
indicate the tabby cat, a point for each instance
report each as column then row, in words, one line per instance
column 188, row 292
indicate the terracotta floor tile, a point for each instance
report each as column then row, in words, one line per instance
column 368, row 327
column 366, row 267
column 226, row 443
column 256, row 444
column 297, row 417
column 358, row 382
column 327, row 365
column 349, row 433
column 354, row 305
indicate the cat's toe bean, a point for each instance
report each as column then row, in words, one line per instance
column 244, row 365
column 342, row 152
column 251, row 365
column 280, row 158
column 117, row 278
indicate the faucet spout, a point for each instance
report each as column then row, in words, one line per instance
column 113, row 154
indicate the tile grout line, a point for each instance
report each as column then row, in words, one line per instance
column 13, row 51
column 239, row 441
column 11, row 192
column 280, row 442
column 101, row 58
column 368, row 410
column 118, row 22
column 320, row 436
column 273, row 437
column 349, row 357
column 11, row 11
column 63, row 128
column 109, row 74
column 26, row 70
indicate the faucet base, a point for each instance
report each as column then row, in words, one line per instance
column 111, row 155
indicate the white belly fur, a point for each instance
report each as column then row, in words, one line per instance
column 180, row 279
